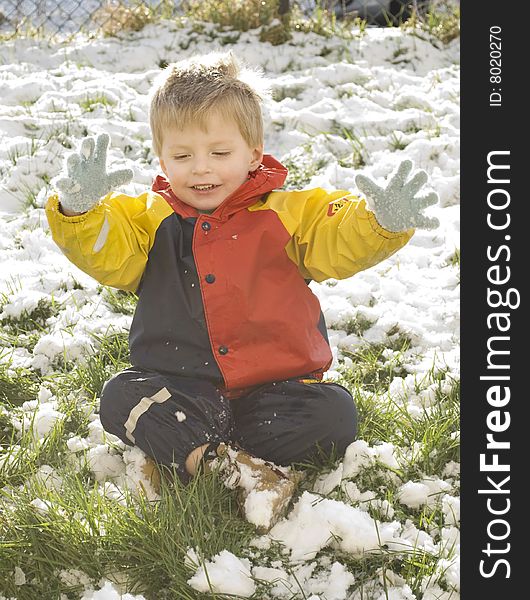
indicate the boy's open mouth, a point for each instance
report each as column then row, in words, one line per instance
column 204, row 187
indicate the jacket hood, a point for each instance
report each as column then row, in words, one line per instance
column 270, row 175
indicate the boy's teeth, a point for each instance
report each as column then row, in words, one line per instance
column 203, row 187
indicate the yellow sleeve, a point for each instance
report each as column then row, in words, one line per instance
column 110, row 242
column 333, row 234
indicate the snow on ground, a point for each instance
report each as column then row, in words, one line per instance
column 338, row 108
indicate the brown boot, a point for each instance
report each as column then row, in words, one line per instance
column 264, row 488
column 151, row 472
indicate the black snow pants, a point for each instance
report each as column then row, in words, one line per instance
column 284, row 422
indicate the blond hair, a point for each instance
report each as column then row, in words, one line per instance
column 190, row 90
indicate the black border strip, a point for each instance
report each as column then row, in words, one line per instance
column 494, row 257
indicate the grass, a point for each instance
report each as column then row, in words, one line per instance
column 440, row 23
column 115, row 17
column 111, row 356
column 370, row 367
column 358, row 325
column 303, row 164
column 25, row 329
column 120, row 301
column 30, row 320
column 65, row 532
column 90, row 104
column 240, row 16
column 17, row 385
column 276, row 28
column 144, row 543
column 454, row 259
column 324, row 22
column 358, row 156
column 397, row 142
column 63, row 529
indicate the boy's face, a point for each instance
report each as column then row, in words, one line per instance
column 204, row 167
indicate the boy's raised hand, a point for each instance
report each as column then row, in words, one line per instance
column 397, row 207
column 87, row 180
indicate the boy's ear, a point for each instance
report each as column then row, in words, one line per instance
column 257, row 157
column 162, row 166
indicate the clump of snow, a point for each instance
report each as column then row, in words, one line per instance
column 449, row 570
column 224, row 574
column 39, row 416
column 77, row 444
column 414, row 494
column 397, row 593
column 74, row 577
column 105, row 462
column 435, row 592
column 413, row 538
column 316, row 523
column 451, row 509
column 333, row 584
column 41, row 506
column 425, row 492
column 19, row 576
column 180, row 416
column 134, row 478
column 332, row 581
column 22, row 302
column 259, row 507
column 48, row 478
column 358, row 456
column 108, row 591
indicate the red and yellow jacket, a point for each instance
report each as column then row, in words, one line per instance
column 224, row 296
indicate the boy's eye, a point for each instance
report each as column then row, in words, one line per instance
column 219, row 153
column 180, row 156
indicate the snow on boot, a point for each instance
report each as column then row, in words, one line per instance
column 264, row 488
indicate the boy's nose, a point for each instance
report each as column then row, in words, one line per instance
column 201, row 166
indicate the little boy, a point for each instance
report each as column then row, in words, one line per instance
column 228, row 343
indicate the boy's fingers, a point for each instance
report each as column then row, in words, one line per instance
column 102, row 143
column 120, row 177
column 64, row 184
column 414, row 185
column 367, row 186
column 401, row 175
column 87, row 147
column 422, row 222
column 72, row 162
column 427, row 200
